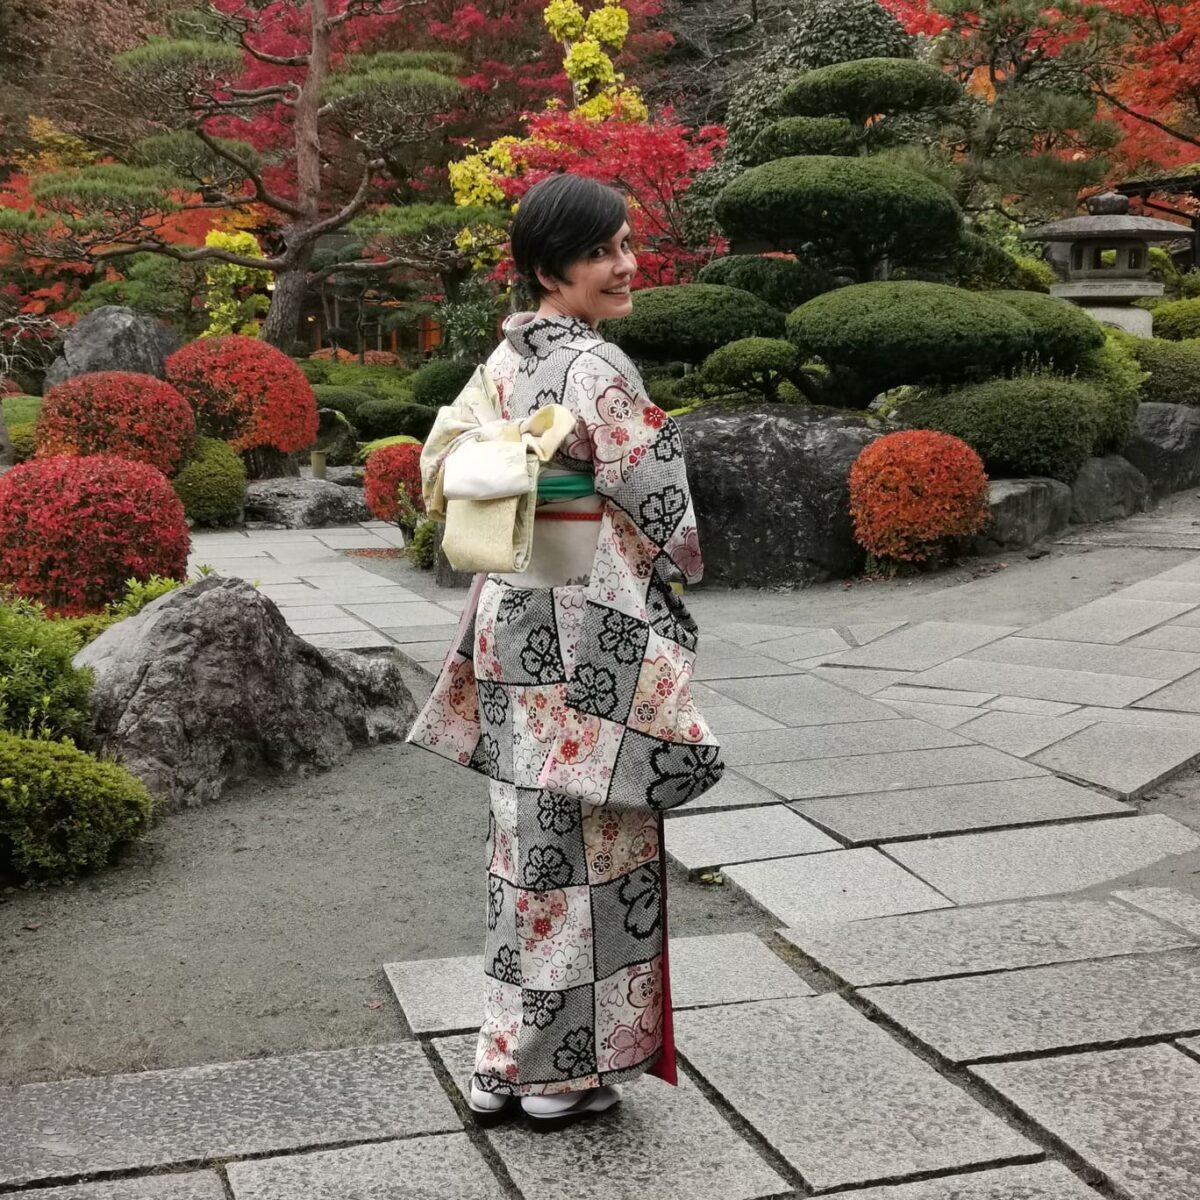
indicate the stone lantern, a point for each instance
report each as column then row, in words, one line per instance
column 1105, row 257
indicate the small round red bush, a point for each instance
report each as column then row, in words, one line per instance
column 389, row 468
column 371, row 358
column 73, row 530
column 117, row 412
column 245, row 392
column 910, row 492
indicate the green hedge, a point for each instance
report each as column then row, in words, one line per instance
column 63, row 812
column 1031, row 425
column 378, row 380
column 345, row 400
column 1062, row 332
column 1118, row 379
column 1177, row 321
column 881, row 335
column 848, row 212
column 804, row 135
column 386, row 418
column 1173, row 369
column 439, row 382
column 688, row 321
column 23, row 440
column 21, row 410
column 212, row 484
column 782, row 282
column 753, row 364
column 865, row 87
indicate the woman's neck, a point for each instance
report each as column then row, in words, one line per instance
column 548, row 308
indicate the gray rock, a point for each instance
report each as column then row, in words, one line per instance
column 335, row 435
column 1023, row 511
column 194, row 1185
column 770, row 487
column 113, row 338
column 304, row 503
column 344, row 476
column 1107, row 489
column 1165, row 446
column 208, row 684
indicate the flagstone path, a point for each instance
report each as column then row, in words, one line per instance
column 965, row 998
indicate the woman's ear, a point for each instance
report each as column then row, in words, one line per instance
column 548, row 282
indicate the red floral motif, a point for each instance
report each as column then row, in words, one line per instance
column 654, row 416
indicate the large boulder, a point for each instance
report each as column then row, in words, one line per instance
column 1165, row 446
column 113, row 338
column 770, row 484
column 304, row 503
column 1023, row 511
column 1107, row 489
column 336, row 436
column 208, row 685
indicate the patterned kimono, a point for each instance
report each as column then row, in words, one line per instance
column 573, row 698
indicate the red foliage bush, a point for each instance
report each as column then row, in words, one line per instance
column 387, row 469
column 117, row 412
column 372, row 358
column 909, row 492
column 73, row 530
column 246, row 393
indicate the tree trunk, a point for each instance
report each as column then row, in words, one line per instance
column 265, row 462
column 282, row 323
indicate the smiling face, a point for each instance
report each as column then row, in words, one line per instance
column 597, row 285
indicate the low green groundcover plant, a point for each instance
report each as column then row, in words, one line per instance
column 62, row 811
column 212, row 484
column 1172, row 369
column 21, row 410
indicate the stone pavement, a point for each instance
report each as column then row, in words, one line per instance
column 966, row 998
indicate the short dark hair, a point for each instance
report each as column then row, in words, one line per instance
column 558, row 221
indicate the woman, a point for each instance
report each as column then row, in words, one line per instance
column 569, row 689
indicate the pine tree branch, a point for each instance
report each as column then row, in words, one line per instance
column 262, row 193
column 372, row 8
column 351, row 208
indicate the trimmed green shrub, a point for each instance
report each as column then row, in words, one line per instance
column 1118, row 380
column 662, row 391
column 23, row 440
column 804, row 135
column 865, row 87
column 315, row 370
column 41, row 694
column 782, row 282
column 880, row 335
column 1031, row 425
column 212, row 484
column 688, row 321
column 21, row 410
column 755, row 364
column 439, row 382
column 851, row 212
column 388, row 417
column 345, row 400
column 421, row 549
column 1177, row 321
column 1037, row 275
column 63, row 812
column 1062, row 332
column 1173, row 368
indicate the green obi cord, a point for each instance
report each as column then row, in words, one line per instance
column 569, row 485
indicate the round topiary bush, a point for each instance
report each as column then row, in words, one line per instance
column 23, row 440
column 440, row 381
column 688, row 321
column 1062, row 332
column 345, row 400
column 1172, row 369
column 782, row 282
column 804, row 135
column 1177, row 321
column 212, row 484
column 63, row 812
column 73, row 530
column 246, row 393
column 851, row 212
column 389, row 416
column 753, row 364
column 117, row 412
column 911, row 492
column 1032, row 425
column 388, row 469
column 865, row 87
column 885, row 334
column 1118, row 380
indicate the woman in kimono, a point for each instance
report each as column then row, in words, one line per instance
column 568, row 688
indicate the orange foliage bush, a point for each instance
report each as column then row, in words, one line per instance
column 910, row 492
column 372, row 358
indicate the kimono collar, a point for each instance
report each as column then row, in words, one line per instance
column 530, row 334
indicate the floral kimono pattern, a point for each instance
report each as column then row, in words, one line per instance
column 575, row 702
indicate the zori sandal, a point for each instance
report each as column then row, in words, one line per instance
column 547, row 1113
column 490, row 1108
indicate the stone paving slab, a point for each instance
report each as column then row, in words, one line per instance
column 1118, row 759
column 1146, row 540
column 1168, row 904
column 314, row 612
column 190, row 1185
column 226, row 1110
column 748, row 666
column 932, row 695
column 920, row 812
column 1181, row 696
column 1175, row 637
column 1110, row 620
column 847, row 885
column 1054, row 1007
column 301, row 553
column 750, row 633
column 1037, row 708
column 733, row 790
column 1038, row 1181
column 1134, row 658
column 288, row 595
column 836, row 1096
column 871, row 630
column 864, row 680
column 966, row 941
column 1008, row 864
column 890, row 772
column 1163, row 589
column 719, row 838
column 1023, row 735
column 439, row 995
column 406, row 634
column 803, row 700
column 660, row 1142
column 919, row 647
column 1150, row 718
column 945, row 716
column 414, row 612
column 736, row 718
column 1132, row 1114
column 427, row 1168
column 802, row 645
column 1038, row 683
column 328, row 625
column 835, row 741
column 366, row 639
